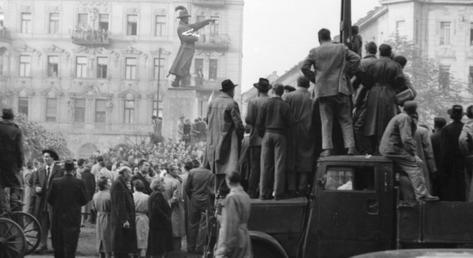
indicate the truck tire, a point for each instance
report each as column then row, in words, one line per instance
column 264, row 250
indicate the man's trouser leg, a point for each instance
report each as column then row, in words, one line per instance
column 302, row 184
column 267, row 166
column 71, row 237
column 415, row 174
column 3, row 200
column 344, row 118
column 280, row 156
column 326, row 116
column 44, row 220
column 195, row 212
column 57, row 241
column 255, row 163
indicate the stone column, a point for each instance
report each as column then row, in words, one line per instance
column 178, row 102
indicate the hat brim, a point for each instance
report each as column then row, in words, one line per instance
column 183, row 16
column 52, row 153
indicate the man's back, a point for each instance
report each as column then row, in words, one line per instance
column 398, row 138
column 200, row 184
column 10, row 143
column 301, row 105
column 254, row 107
column 275, row 115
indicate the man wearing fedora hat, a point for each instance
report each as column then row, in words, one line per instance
column 42, row 181
column 254, row 107
column 11, row 159
column 66, row 197
column 224, row 135
column 188, row 36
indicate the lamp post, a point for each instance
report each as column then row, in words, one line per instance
column 345, row 22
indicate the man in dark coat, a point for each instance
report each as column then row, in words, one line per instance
column 439, row 124
column 199, row 188
column 273, row 125
column 188, row 36
column 42, row 181
column 143, row 170
column 332, row 65
column 224, row 135
column 300, row 154
column 254, row 107
column 122, row 216
column 89, row 181
column 452, row 172
column 11, row 160
column 66, row 196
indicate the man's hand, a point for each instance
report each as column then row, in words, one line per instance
column 38, row 189
column 126, row 224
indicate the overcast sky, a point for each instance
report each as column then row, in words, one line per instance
column 277, row 34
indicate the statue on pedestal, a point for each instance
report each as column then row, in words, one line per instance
column 188, row 35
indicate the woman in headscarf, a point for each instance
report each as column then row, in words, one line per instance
column 160, row 228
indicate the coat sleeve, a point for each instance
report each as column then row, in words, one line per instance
column 353, row 62
column 405, row 129
column 52, row 194
column 260, row 121
column 463, row 143
column 199, row 25
column 118, row 200
column 428, row 152
column 83, row 195
column 236, row 118
column 307, row 65
column 20, row 154
column 188, row 186
column 250, row 115
column 228, row 235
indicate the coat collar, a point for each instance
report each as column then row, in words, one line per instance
column 302, row 89
column 369, row 56
column 225, row 95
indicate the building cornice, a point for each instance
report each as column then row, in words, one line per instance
column 451, row 2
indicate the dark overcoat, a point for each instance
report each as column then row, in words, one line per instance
column 301, row 146
column 40, row 179
column 11, row 153
column 381, row 101
column 182, row 63
column 160, row 227
column 451, row 181
column 66, row 196
column 89, row 181
column 122, row 210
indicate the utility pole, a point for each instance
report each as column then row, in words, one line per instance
column 345, row 22
column 160, row 52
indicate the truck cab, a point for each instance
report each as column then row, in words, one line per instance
column 354, row 208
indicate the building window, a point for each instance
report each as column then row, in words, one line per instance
column 214, row 27
column 53, row 66
column 79, row 110
column 2, row 19
column 129, row 114
column 53, row 23
column 26, row 23
column 102, row 67
column 158, row 71
column 81, row 67
column 213, row 64
column 23, row 105
column 203, row 36
column 51, row 109
column 25, row 66
column 103, row 22
column 82, row 20
column 157, row 110
column 470, row 77
column 400, row 28
column 444, row 76
column 445, row 33
column 130, row 68
column 199, row 71
column 100, row 111
column 132, row 24
column 160, row 25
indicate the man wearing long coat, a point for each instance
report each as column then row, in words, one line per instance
column 11, row 157
column 66, row 196
column 187, row 35
column 300, row 154
column 42, row 181
column 426, row 154
column 225, row 134
column 122, row 216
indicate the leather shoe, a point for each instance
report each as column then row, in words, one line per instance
column 351, row 151
column 266, row 197
column 326, row 153
column 429, row 198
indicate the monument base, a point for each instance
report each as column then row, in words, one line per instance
column 178, row 102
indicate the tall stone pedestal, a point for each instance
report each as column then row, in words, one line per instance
column 178, row 102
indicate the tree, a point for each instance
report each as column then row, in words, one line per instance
column 433, row 97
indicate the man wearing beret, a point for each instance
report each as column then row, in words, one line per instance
column 254, row 107
column 224, row 136
column 11, row 160
column 42, row 181
column 66, row 197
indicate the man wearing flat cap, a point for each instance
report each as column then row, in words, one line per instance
column 42, row 181
column 451, row 179
column 66, row 197
column 254, row 107
column 399, row 145
column 224, row 135
column 11, row 159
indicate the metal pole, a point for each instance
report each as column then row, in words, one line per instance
column 345, row 22
column 160, row 51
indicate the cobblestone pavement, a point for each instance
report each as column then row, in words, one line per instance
column 86, row 247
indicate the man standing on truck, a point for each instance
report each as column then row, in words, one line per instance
column 399, row 145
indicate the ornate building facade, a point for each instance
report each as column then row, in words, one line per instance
column 97, row 70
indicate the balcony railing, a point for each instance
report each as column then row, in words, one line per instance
column 209, row 3
column 217, row 43
column 92, row 38
column 4, row 35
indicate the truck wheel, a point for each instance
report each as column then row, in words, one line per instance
column 262, row 250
